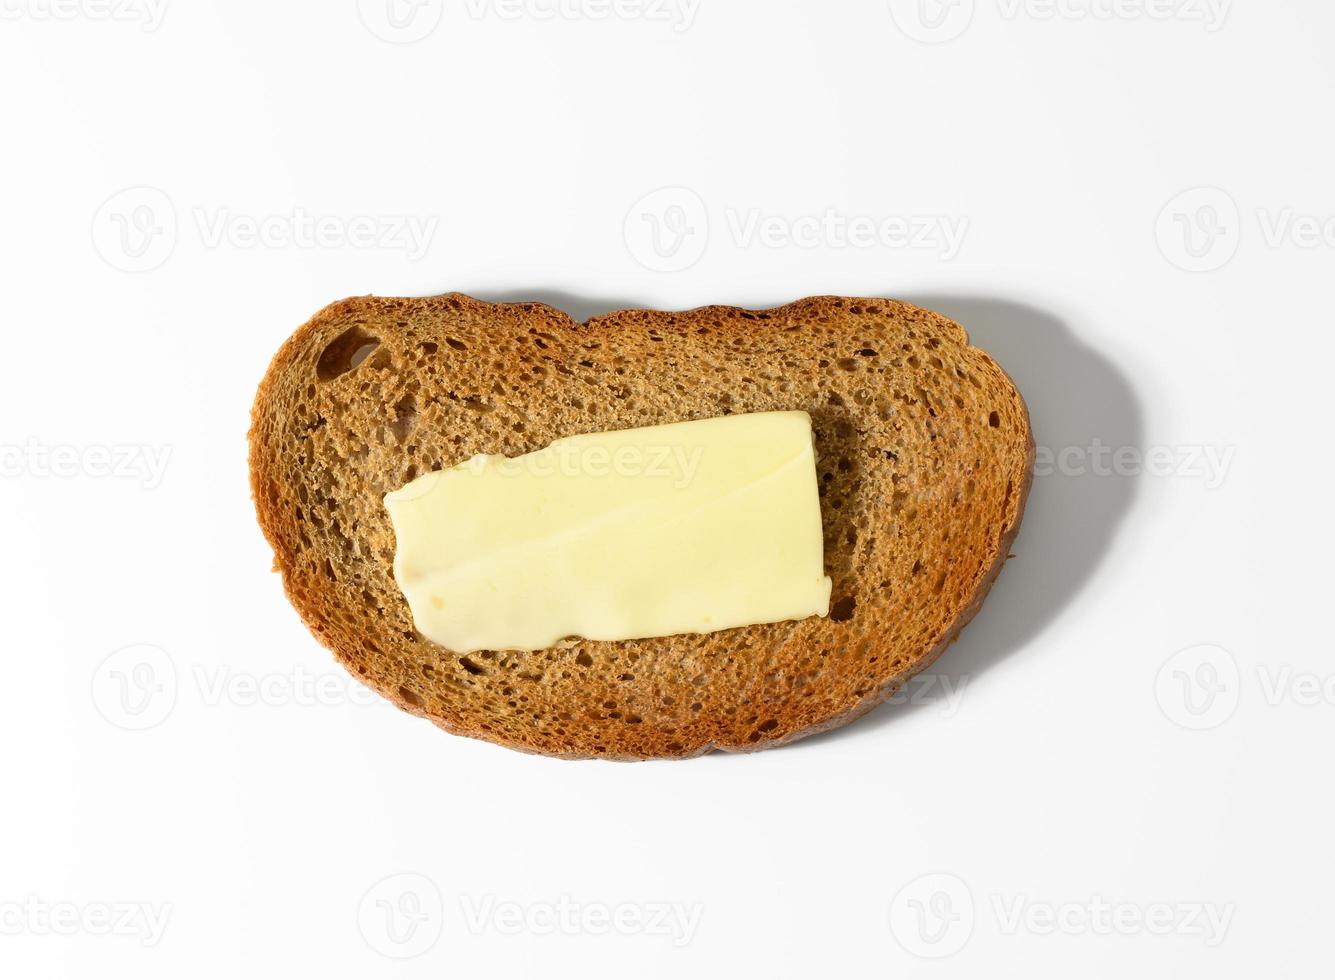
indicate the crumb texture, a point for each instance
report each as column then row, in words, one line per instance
column 924, row 460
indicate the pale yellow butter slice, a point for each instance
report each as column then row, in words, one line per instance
column 685, row 528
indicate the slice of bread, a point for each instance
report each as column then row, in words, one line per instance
column 925, row 459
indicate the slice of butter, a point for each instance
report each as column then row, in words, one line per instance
column 685, row 528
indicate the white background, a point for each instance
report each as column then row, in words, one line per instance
column 1077, row 765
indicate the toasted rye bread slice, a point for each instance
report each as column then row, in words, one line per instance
column 925, row 459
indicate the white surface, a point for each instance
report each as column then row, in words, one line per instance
column 1067, row 774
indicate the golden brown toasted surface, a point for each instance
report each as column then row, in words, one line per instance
column 925, row 458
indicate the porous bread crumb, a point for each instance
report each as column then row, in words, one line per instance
column 925, row 458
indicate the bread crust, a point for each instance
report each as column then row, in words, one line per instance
column 927, row 456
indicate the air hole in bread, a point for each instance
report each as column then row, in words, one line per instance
column 405, row 417
column 412, row 697
column 344, row 353
column 994, row 420
column 471, row 666
column 842, row 610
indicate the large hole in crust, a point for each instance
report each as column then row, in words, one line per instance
column 344, row 353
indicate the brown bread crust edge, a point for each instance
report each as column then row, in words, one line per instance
column 926, row 462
